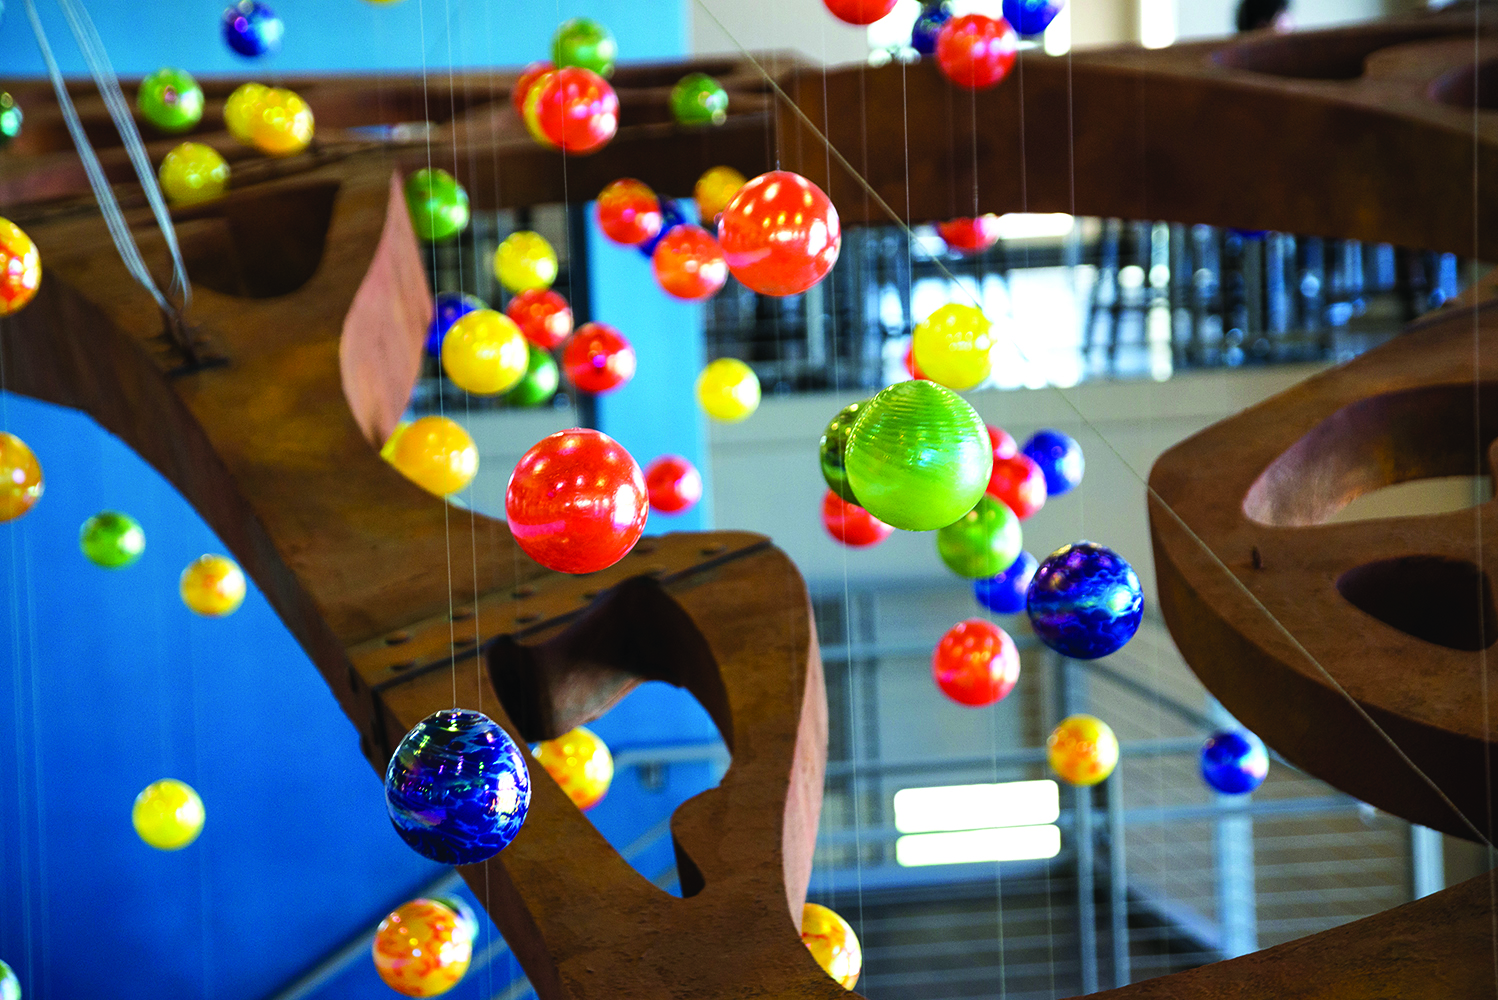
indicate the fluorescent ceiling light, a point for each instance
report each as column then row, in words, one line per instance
column 1035, row 225
column 1015, row 843
column 974, row 807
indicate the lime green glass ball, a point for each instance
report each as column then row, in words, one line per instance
column 830, row 452
column 171, row 100
column 918, row 456
column 698, row 99
column 584, row 42
column 539, row 383
column 112, row 540
column 10, row 124
column 438, row 205
column 982, row 543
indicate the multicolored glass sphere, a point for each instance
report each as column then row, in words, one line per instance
column 975, row 663
column 241, row 109
column 447, row 309
column 830, row 450
column 20, row 268
column 1032, row 17
column 629, row 213
column 832, row 943
column 438, row 205
column 21, row 482
column 714, row 190
column 484, row 353
column 1018, row 482
column 918, row 457
column 928, row 25
column 850, row 524
column 1060, row 459
column 577, row 502
column 1085, row 601
column 970, row 236
column 212, row 586
column 983, row 542
column 572, row 109
column 976, row 51
column 859, row 11
column 1234, row 762
column 457, row 788
column 954, row 345
column 252, row 29
column 780, row 234
column 168, row 814
column 674, row 484
column 10, row 128
column 281, row 124
column 423, row 948
column 527, row 79
column 435, row 453
column 728, row 390
column 1082, row 750
column 193, row 173
column 10, row 984
column 170, row 99
column 598, row 359
column 581, row 764
column 540, row 381
column 585, row 43
column 544, row 317
column 698, row 99
column 1007, row 593
column 689, row 264
column 111, row 539
column 525, row 262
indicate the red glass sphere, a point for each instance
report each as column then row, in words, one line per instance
column 528, row 76
column 689, row 263
column 859, row 11
column 970, row 235
column 576, row 109
column 780, row 234
column 1020, row 483
column 544, row 317
column 976, row 663
column 675, row 485
column 1004, row 446
column 629, row 213
column 975, row 51
column 576, row 502
column 598, row 359
column 913, row 369
column 851, row 524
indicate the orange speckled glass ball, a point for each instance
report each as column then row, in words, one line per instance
column 581, row 764
column 1082, row 750
column 281, row 124
column 20, row 268
column 212, row 586
column 832, row 943
column 435, row 453
column 20, row 477
column 423, row 948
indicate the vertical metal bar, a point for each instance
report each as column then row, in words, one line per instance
column 1427, row 862
column 1118, row 881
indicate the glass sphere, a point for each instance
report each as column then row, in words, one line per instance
column 629, row 213
column 780, row 234
column 540, row 381
column 252, row 29
column 577, row 502
column 581, row 764
column 168, row 814
column 527, row 79
column 530, row 112
column 1085, row 601
column 728, row 390
column 1032, row 17
column 830, row 450
column 671, row 217
column 525, row 262
column 1082, row 750
column 1004, row 445
column 598, row 359
column 1234, row 762
column 970, row 236
column 10, row 985
column 457, row 788
column 832, row 943
column 1060, row 460
column 918, row 457
column 212, row 586
column 241, row 109
column 20, row 268
column 714, row 190
column 698, row 99
column 484, row 353
column 573, row 109
column 423, row 948
column 928, row 25
column 21, row 482
column 851, row 524
column 674, row 484
column 859, row 11
column 282, row 124
column 171, row 100
column 1018, row 482
column 1006, row 593
column 435, row 453
column 111, row 539
column 585, row 43
column 193, row 173
column 953, row 346
column 447, row 309
column 10, row 128
column 976, row 51
column 544, row 317
column 438, row 205
column 983, row 542
column 689, row 264
column 975, row 663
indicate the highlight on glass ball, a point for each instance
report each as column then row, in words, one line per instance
column 241, row 109
column 976, row 51
column 585, row 43
column 983, row 542
column 728, row 390
column 252, row 29
column 1234, row 762
column 435, row 453
column 698, row 99
column 572, row 109
column 954, row 346
column 212, row 586
column 970, row 236
column 577, row 502
column 714, row 190
column 1007, row 593
column 447, row 309
column 1032, row 17
column 192, row 173
column 859, row 11
column 543, row 315
column 831, row 447
column 1085, row 601
column 281, row 123
column 580, row 763
column 629, row 213
column 10, row 127
column 674, row 484
column 527, row 79
column 525, row 262
column 540, row 381
column 850, row 524
column 112, row 540
column 928, row 25
column 484, row 353
column 598, row 359
column 780, row 234
column 1060, row 459
column 1082, row 750
column 168, row 814
column 918, row 457
column 832, row 943
column 20, row 268
column 457, row 788
column 975, row 663
column 423, row 948
column 689, row 264
column 438, row 205
column 170, row 99
column 1020, row 483
column 21, row 482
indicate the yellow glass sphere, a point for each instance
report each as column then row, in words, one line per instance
column 193, row 172
column 728, row 390
column 531, row 111
column 485, row 353
column 832, row 943
column 20, row 268
column 581, row 764
column 436, row 454
column 422, row 949
column 715, row 189
column 20, row 477
column 1082, row 750
column 168, row 815
column 953, row 346
column 525, row 262
column 241, row 108
column 212, row 586
column 281, row 124
column 387, row 450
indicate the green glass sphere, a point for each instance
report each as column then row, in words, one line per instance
column 918, row 456
column 438, row 205
column 112, row 540
column 830, row 451
column 982, row 543
column 171, row 100
column 698, row 99
column 539, row 383
column 584, row 42
column 10, row 119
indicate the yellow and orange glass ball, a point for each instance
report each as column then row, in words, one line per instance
column 1082, row 750
column 525, row 262
column 435, row 453
column 832, row 943
column 281, row 123
column 20, row 268
column 212, row 586
column 168, row 814
column 193, row 173
column 715, row 189
column 581, row 764
column 423, row 948
column 241, row 108
column 485, row 353
column 20, row 477
column 728, row 390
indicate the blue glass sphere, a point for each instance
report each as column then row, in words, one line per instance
column 1031, row 17
column 448, row 308
column 457, row 788
column 1005, row 594
column 1059, row 457
column 252, row 29
column 1085, row 601
column 1234, row 762
column 671, row 217
column 928, row 25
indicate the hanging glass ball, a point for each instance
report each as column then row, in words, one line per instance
column 1085, row 601
column 629, row 213
column 241, row 109
column 976, row 51
column 585, row 43
column 212, row 586
column 435, row 453
column 577, row 501
column 780, row 234
column 447, row 309
column 698, row 99
column 423, row 948
column 112, row 540
column 1060, row 459
column 1082, row 750
column 192, row 173
column 1006, row 593
column 598, row 359
column 832, row 446
column 21, row 481
column 10, row 128
column 10, row 985
column 544, row 317
column 438, row 205
column 953, row 346
column 674, row 484
column 976, row 663
column 525, row 261
column 728, row 390
column 282, row 123
column 850, row 524
column 252, row 29
column 168, row 814
column 714, row 190
column 540, row 381
column 1234, row 762
column 581, row 764
column 859, row 11
column 484, row 353
column 171, row 100
column 688, row 264
column 20, row 268
column 1032, row 17
column 928, row 25
column 983, row 542
column 832, row 943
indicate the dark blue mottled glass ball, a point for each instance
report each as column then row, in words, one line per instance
column 928, row 25
column 671, row 217
column 1085, row 601
column 1031, row 17
column 449, row 307
column 252, row 29
column 457, row 788
column 1234, row 762
column 1005, row 594
column 1059, row 457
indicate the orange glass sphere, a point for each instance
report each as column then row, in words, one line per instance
column 544, row 317
column 435, row 453
column 689, row 263
column 598, row 359
column 832, row 943
column 423, row 948
column 212, row 586
column 970, row 235
column 780, row 234
column 581, row 764
column 674, row 484
column 281, row 124
column 976, row 663
column 714, row 190
column 859, row 11
column 851, row 524
column 20, row 268
column 629, row 213
column 20, row 477
column 1082, row 750
column 976, row 51
column 574, row 108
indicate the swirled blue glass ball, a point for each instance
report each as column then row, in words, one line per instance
column 1234, row 762
column 457, row 788
column 252, row 29
column 928, row 25
column 448, row 308
column 1085, row 601
column 1031, row 17
column 1059, row 457
column 671, row 217
column 1005, row 594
